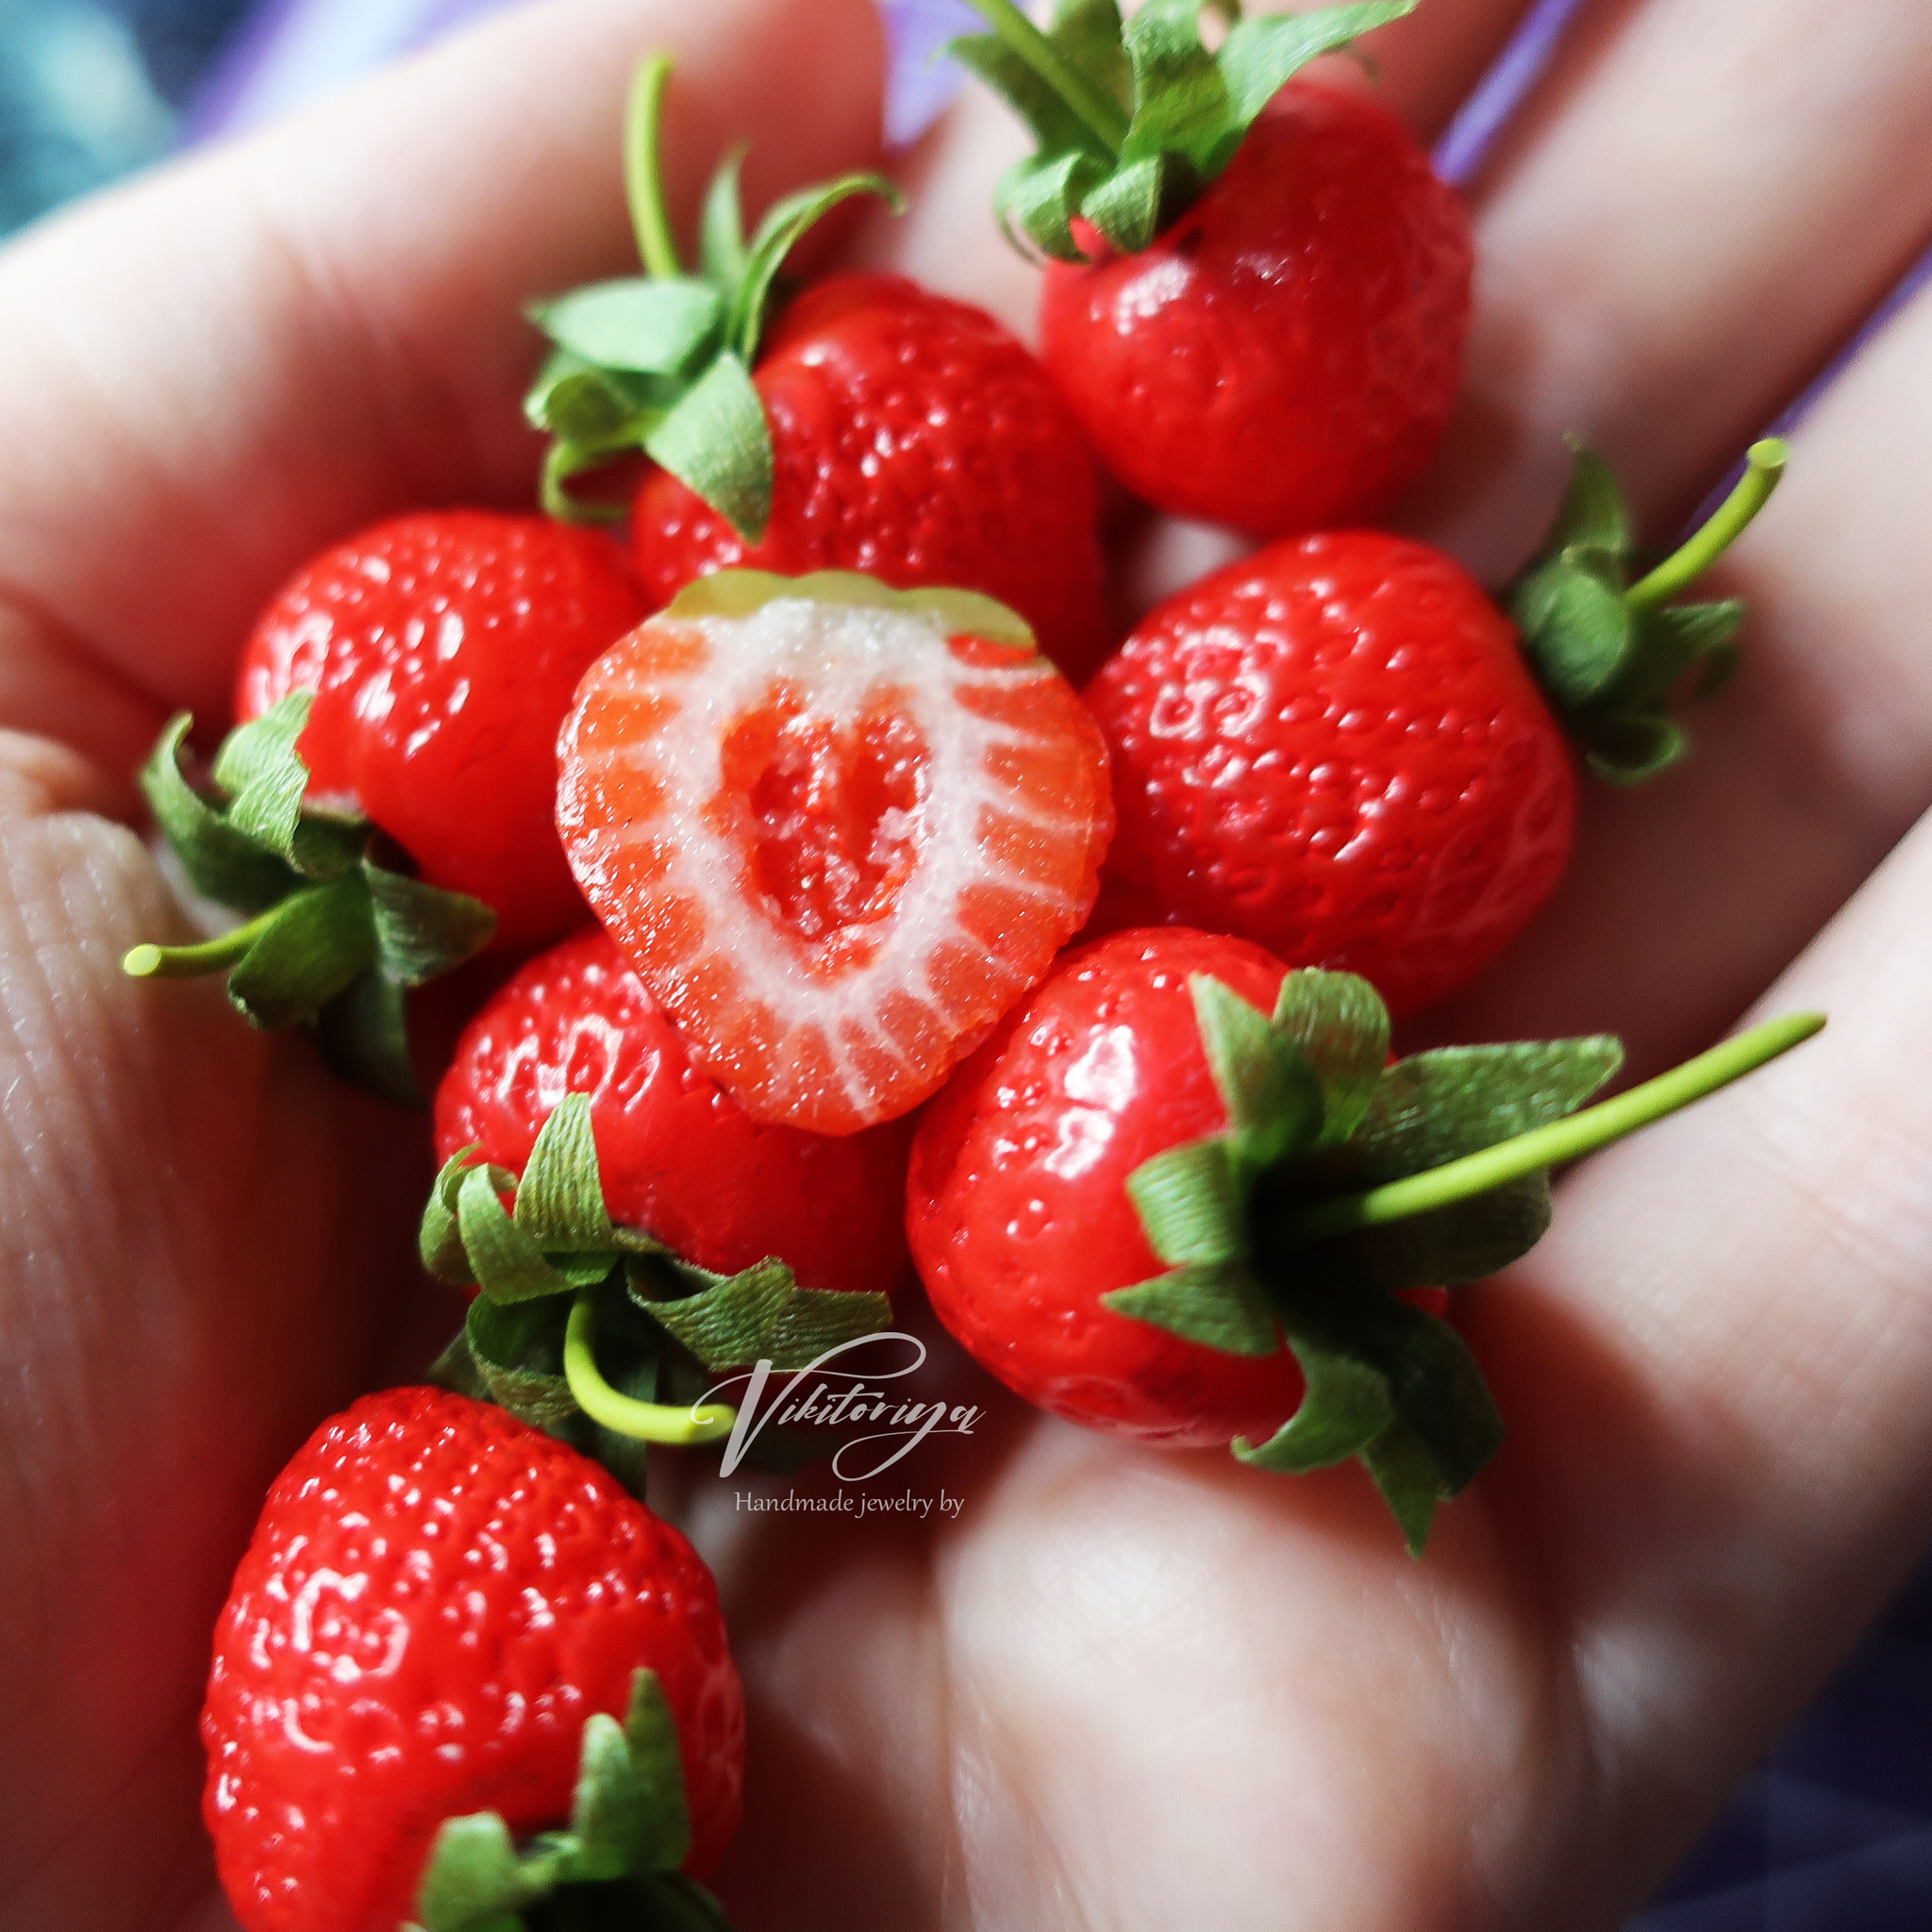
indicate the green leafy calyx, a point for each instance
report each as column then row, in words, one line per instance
column 1134, row 118
column 616, row 1861
column 1608, row 649
column 335, row 937
column 598, row 1333
column 1341, row 1180
column 1314, row 1110
column 662, row 362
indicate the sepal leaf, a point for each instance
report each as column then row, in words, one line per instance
column 1610, row 663
column 1435, row 1107
column 1192, row 1202
column 629, row 1827
column 1339, row 1024
column 1345, row 1408
column 336, row 935
column 714, row 440
column 1218, row 1304
column 759, row 1314
column 634, row 325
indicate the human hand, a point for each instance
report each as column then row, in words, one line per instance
column 1124, row 1687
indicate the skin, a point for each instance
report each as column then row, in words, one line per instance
column 1121, row 1689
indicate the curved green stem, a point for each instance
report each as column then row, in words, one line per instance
column 211, row 955
column 1101, row 117
column 1556, row 1142
column 644, row 1421
column 643, row 180
column 1764, row 465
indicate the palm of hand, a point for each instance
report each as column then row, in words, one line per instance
column 1124, row 1689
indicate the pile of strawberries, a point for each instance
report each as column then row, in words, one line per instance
column 780, row 814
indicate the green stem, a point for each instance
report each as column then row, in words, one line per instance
column 1102, row 118
column 642, row 176
column 1555, row 1142
column 211, row 955
column 644, row 1421
column 1764, row 464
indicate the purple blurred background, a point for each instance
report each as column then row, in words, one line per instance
column 1834, row 1833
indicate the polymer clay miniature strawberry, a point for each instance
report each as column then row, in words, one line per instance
column 838, row 830
column 461, row 1676
column 1341, row 749
column 443, row 648
column 385, row 809
column 1183, row 1194
column 872, row 428
column 1258, row 293
column 678, row 1158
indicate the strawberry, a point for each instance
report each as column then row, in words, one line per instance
column 1183, row 1194
column 451, row 1634
column 383, row 810
column 885, row 430
column 837, row 828
column 1336, row 748
column 443, row 648
column 678, row 1158
column 917, row 441
column 1259, row 292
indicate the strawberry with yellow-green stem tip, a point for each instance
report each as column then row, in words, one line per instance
column 872, row 426
column 1341, row 748
column 598, row 1330
column 1182, row 1194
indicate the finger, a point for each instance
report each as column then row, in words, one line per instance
column 1715, row 1370
column 1671, row 240
column 199, row 1249
column 242, row 358
column 1685, row 896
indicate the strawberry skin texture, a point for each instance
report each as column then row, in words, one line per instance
column 436, row 1598
column 1332, row 748
column 915, row 440
column 680, row 1158
column 1017, row 1203
column 1285, row 354
column 443, row 648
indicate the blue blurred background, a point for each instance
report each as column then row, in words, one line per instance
column 1834, row 1832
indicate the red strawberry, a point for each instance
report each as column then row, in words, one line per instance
column 1017, row 1202
column 1258, row 316
column 914, row 440
column 436, row 1599
column 1285, row 354
column 888, row 430
column 838, row 830
column 443, row 648
column 677, row 1156
column 1181, row 1187
column 1334, row 748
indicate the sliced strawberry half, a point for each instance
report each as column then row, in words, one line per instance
column 839, row 829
